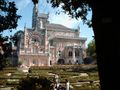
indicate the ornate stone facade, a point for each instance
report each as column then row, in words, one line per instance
column 49, row 44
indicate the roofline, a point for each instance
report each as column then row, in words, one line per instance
column 66, row 28
column 60, row 30
column 74, row 38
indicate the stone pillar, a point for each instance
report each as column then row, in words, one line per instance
column 46, row 41
column 55, row 62
column 25, row 37
column 48, row 55
column 74, row 55
column 41, row 24
column 81, row 56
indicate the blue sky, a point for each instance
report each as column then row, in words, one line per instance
column 25, row 8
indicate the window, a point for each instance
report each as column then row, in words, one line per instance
column 34, row 61
column 59, row 53
column 76, row 52
column 70, row 53
column 51, row 43
column 35, row 50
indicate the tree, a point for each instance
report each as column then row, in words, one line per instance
column 8, row 15
column 8, row 21
column 91, row 53
column 91, row 50
column 16, row 37
column 6, row 48
column 107, row 44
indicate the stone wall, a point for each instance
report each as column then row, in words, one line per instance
column 33, row 60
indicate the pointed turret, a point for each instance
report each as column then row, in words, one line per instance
column 77, row 31
column 35, row 14
column 25, row 34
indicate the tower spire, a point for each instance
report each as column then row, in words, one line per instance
column 35, row 14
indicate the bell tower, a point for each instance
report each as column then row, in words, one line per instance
column 35, row 14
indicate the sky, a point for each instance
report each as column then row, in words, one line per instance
column 25, row 8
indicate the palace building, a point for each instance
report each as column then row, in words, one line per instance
column 48, row 44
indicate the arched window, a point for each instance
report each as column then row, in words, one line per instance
column 59, row 53
column 70, row 53
column 34, row 62
column 51, row 43
column 76, row 52
column 35, row 49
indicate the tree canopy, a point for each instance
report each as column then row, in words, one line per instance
column 75, row 8
column 35, row 1
column 8, row 15
column 8, row 21
column 91, row 50
column 8, row 18
column 16, row 37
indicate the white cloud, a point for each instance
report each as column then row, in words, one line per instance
column 21, row 4
column 64, row 20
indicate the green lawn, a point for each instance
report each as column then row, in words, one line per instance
column 70, row 72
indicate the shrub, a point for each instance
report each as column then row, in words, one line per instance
column 33, row 83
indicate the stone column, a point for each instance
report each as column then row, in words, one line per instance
column 46, row 41
column 41, row 24
column 73, row 55
column 81, row 57
column 55, row 53
column 25, row 37
column 48, row 55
